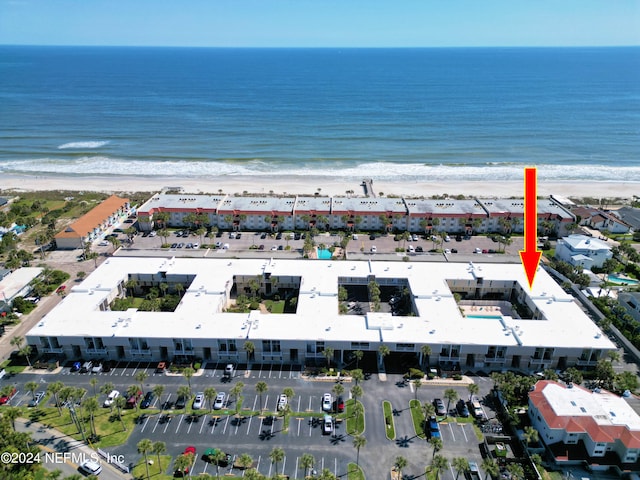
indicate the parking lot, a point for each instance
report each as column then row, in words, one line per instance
column 258, row 433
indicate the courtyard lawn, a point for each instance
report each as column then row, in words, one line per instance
column 274, row 307
column 417, row 415
column 390, row 429
column 12, row 368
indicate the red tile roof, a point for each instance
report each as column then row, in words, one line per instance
column 93, row 218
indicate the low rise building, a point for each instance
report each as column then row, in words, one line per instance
column 584, row 251
column 551, row 331
column 93, row 224
column 16, row 284
column 582, row 426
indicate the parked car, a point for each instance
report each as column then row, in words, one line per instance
column 7, row 398
column 97, row 367
column 111, row 398
column 191, row 451
column 440, row 408
column 37, row 398
column 148, row 399
column 91, row 467
column 86, row 367
column 374, row 249
column 327, row 425
column 133, row 400
column 462, row 409
column 229, row 370
column 476, row 409
column 76, row 366
column 198, row 402
column 327, row 402
column 263, row 236
column 282, row 402
column 238, row 236
column 181, row 402
column 106, row 366
column 339, row 405
column 210, row 453
column 219, row 401
column 419, row 249
column 434, row 428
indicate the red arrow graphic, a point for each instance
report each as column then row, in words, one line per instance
column 530, row 256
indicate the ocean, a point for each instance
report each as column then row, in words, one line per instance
column 389, row 114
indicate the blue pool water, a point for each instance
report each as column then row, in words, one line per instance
column 324, row 254
column 484, row 316
column 624, row 281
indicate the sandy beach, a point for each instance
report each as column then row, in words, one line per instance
column 311, row 185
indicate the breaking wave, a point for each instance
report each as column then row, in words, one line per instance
column 82, row 145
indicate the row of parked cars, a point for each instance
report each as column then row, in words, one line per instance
column 91, row 366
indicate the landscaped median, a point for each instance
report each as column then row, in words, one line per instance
column 390, row 428
column 354, row 413
column 417, row 415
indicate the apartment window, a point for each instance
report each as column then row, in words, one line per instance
column 271, row 346
column 44, row 341
column 407, row 347
column 359, row 345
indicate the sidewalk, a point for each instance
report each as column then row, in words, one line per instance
column 52, row 441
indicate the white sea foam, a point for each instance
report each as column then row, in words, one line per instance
column 409, row 172
column 83, row 145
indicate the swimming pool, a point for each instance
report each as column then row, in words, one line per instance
column 324, row 254
column 623, row 281
column 494, row 317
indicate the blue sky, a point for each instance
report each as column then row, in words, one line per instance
column 321, row 23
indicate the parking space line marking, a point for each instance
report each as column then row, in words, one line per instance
column 266, row 401
column 179, row 422
column 261, row 423
column 299, row 423
column 215, row 422
column 411, row 386
column 145, row 424
column 260, row 372
column 146, row 368
column 157, row 423
column 284, row 462
column 135, row 369
column 204, row 422
column 255, row 399
column 463, row 432
column 166, row 426
column 237, row 425
column 299, row 400
column 270, row 369
column 322, row 462
column 190, row 425
column 296, row 467
column 249, row 425
column 309, row 409
column 452, row 434
column 280, row 375
column 335, row 467
column 224, row 430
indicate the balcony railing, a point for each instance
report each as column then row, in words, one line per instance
column 494, row 360
column 52, row 350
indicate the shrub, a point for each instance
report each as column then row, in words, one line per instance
column 254, row 305
column 415, row 373
column 457, row 376
column 197, row 366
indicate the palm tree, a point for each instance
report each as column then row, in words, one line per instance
column 451, row 395
column 436, row 444
column 357, row 354
column 428, row 409
column 31, row 387
column 261, row 387
column 183, row 462
column 253, row 474
column 159, row 448
column 328, row 354
column 120, row 402
column 417, row 383
column 383, row 350
column 11, row 413
column 54, row 388
column 356, row 391
column 276, row 456
column 236, row 391
column 245, row 460
column 94, row 383
column 210, row 395
column 473, row 390
column 249, row 347
column 187, row 373
column 185, row 392
column 131, row 285
column 158, row 390
column 357, row 375
column 439, row 464
column 490, row 467
column 399, row 464
column 531, row 435
column 91, row 406
column 425, row 352
column 289, row 393
column 461, row 465
column 140, row 378
column 359, row 441
column 516, row 471
column 144, row 447
column 338, row 389
column 217, row 458
column 307, row 461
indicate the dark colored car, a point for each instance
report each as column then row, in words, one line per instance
column 419, row 249
column 106, row 366
column 238, row 236
column 279, row 236
column 462, row 409
column 263, row 236
column 340, row 405
column 372, row 237
column 148, row 399
column 76, row 366
column 219, row 234
column 434, row 428
column 261, row 247
column 181, row 403
column 133, row 400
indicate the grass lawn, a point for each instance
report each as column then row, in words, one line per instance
column 390, row 429
column 12, row 368
column 108, row 425
column 354, row 428
column 157, row 472
column 417, row 415
column 355, row 472
column 274, row 307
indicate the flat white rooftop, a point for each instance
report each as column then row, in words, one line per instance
column 438, row 319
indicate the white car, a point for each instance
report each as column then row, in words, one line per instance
column 152, row 233
column 282, row 402
column 327, row 402
column 355, row 236
column 327, row 425
column 198, row 402
column 219, row 402
column 374, row 249
column 195, row 245
column 111, row 398
column 414, row 237
column 411, row 249
column 103, row 243
column 91, row 467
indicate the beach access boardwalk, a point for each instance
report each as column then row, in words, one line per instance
column 367, row 184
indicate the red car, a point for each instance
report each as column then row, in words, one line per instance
column 5, row 398
column 191, row 451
